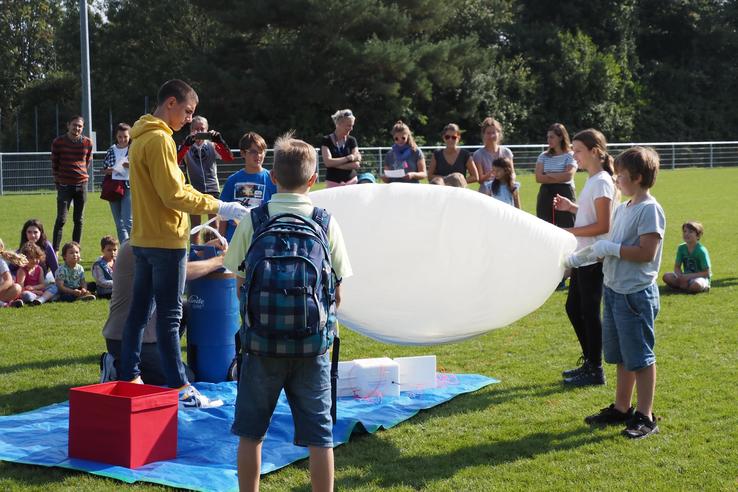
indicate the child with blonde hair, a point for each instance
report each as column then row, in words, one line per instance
column 9, row 289
column 692, row 270
column 457, row 180
column 31, row 276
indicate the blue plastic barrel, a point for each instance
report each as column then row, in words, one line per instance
column 213, row 321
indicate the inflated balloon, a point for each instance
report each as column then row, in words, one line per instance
column 436, row 264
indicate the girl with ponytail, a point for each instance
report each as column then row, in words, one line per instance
column 593, row 214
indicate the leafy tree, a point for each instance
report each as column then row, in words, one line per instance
column 27, row 29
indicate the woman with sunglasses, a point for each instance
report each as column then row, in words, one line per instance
column 404, row 156
column 483, row 158
column 340, row 151
column 452, row 159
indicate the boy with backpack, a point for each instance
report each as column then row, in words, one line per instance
column 290, row 259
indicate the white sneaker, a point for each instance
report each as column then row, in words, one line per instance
column 190, row 397
column 107, row 368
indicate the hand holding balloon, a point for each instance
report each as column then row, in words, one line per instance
column 603, row 248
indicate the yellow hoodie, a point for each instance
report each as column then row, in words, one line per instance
column 160, row 199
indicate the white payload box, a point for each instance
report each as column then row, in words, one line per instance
column 366, row 378
column 417, row 373
column 346, row 383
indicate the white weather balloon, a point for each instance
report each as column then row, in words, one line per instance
column 435, row 264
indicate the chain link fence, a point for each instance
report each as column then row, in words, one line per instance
column 30, row 172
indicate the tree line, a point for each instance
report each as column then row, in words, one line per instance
column 639, row 70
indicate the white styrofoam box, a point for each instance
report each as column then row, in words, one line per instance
column 378, row 377
column 417, row 373
column 346, row 378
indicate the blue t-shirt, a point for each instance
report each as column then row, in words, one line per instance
column 504, row 194
column 249, row 189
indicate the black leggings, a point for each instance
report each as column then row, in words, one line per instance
column 544, row 204
column 583, row 309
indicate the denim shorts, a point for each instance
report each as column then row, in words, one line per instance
column 307, row 384
column 628, row 335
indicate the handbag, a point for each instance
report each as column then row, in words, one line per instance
column 112, row 189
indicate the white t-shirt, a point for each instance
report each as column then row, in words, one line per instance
column 121, row 156
column 597, row 186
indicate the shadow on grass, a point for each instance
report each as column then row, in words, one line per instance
column 416, row 471
column 723, row 282
column 45, row 364
column 30, row 399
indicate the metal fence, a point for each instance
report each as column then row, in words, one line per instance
column 30, row 172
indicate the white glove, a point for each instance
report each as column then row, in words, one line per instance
column 579, row 258
column 603, row 248
column 231, row 210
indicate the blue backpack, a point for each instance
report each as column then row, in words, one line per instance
column 288, row 299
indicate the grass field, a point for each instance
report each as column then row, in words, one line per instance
column 525, row 433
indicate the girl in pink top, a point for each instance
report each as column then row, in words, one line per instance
column 31, row 276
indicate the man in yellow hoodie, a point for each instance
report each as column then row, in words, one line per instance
column 160, row 203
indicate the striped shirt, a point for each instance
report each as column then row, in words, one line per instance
column 69, row 160
column 557, row 163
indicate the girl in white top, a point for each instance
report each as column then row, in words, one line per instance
column 592, row 222
column 483, row 158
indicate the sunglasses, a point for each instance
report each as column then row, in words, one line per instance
column 346, row 114
column 450, row 137
column 400, row 138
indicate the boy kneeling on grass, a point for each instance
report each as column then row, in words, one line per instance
column 306, row 380
column 631, row 265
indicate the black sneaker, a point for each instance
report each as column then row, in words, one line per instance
column 582, row 362
column 609, row 416
column 107, row 368
column 641, row 426
column 588, row 376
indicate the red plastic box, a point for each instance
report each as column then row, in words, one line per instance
column 123, row 423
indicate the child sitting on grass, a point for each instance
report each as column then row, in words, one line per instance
column 692, row 270
column 631, row 267
column 457, row 180
column 102, row 269
column 9, row 289
column 70, row 276
column 31, row 276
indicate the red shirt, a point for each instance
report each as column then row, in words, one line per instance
column 70, row 160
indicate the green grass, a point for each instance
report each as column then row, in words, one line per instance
column 524, row 433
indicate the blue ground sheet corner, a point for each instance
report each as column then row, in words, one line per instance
column 206, row 449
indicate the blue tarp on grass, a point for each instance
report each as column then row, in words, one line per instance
column 206, row 449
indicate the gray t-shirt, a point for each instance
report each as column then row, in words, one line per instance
column 122, row 296
column 484, row 158
column 3, row 267
column 629, row 223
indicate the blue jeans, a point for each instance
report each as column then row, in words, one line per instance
column 628, row 335
column 159, row 276
column 121, row 210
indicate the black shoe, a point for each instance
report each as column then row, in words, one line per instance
column 641, row 426
column 582, row 362
column 609, row 416
column 588, row 376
